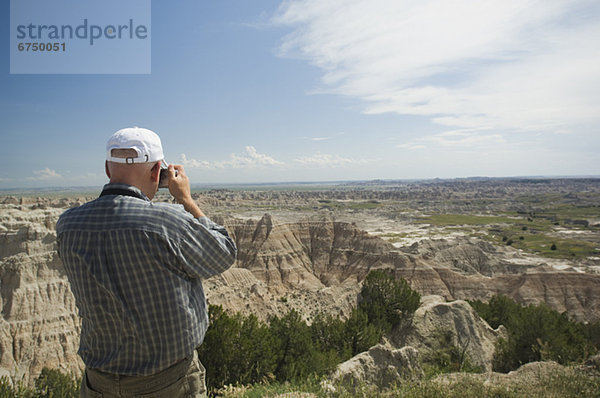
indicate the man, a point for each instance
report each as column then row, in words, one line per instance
column 135, row 269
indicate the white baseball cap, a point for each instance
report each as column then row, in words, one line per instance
column 145, row 142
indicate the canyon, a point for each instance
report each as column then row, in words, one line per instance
column 309, row 248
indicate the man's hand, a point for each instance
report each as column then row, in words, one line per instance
column 179, row 187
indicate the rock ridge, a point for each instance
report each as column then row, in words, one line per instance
column 315, row 264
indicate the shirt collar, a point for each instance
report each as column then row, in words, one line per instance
column 123, row 189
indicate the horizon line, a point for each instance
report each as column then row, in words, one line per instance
column 308, row 182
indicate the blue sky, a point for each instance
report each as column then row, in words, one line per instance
column 265, row 91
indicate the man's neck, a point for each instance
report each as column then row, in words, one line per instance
column 133, row 184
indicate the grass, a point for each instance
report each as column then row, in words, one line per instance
column 571, row 384
column 536, row 233
column 349, row 205
column 464, row 219
column 308, row 387
column 570, row 211
column 542, row 244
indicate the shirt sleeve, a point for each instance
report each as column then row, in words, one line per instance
column 206, row 249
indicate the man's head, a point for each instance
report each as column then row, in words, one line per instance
column 134, row 156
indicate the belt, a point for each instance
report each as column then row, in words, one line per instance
column 102, row 381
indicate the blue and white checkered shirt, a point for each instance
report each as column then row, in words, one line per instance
column 135, row 269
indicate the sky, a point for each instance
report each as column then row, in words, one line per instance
column 309, row 90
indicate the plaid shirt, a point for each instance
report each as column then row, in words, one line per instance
column 135, row 269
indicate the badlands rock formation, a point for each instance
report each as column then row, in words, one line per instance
column 438, row 324
column 381, row 365
column 39, row 324
column 465, row 268
column 294, row 261
column 530, row 375
column 311, row 264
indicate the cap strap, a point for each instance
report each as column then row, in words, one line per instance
column 133, row 160
column 142, row 158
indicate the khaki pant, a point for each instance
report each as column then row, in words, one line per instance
column 185, row 379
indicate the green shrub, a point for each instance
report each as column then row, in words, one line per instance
column 236, row 349
column 292, row 346
column 52, row 383
column 329, row 339
column 7, row 390
column 536, row 332
column 359, row 333
column 386, row 300
column 241, row 349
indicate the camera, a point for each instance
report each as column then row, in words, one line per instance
column 163, row 180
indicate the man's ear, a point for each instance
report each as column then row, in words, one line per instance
column 155, row 172
column 106, row 169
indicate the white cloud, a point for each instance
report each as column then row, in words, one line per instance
column 44, row 174
column 316, row 138
column 193, row 163
column 411, row 146
column 459, row 139
column 322, row 159
column 249, row 158
column 465, row 139
column 322, row 138
column 507, row 64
